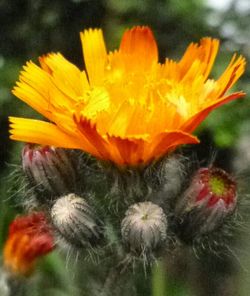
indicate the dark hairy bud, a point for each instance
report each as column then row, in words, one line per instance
column 49, row 169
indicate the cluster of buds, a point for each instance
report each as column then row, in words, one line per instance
column 52, row 173
column 146, row 225
column 209, row 200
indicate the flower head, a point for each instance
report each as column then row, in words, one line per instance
column 210, row 198
column 126, row 107
column 29, row 238
column 216, row 188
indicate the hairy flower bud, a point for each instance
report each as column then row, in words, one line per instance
column 49, row 169
column 209, row 199
column 76, row 221
column 144, row 227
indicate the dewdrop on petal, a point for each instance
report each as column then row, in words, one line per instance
column 49, row 169
column 76, row 221
column 209, row 200
column 144, row 227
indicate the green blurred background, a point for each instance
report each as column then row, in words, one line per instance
column 31, row 28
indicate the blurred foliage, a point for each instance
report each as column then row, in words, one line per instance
column 232, row 26
column 32, row 28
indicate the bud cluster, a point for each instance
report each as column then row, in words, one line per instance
column 153, row 206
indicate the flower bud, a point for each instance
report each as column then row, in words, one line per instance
column 49, row 169
column 29, row 238
column 144, row 227
column 76, row 221
column 209, row 200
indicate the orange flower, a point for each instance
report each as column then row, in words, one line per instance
column 29, row 238
column 126, row 107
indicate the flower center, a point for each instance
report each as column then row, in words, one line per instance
column 220, row 185
column 217, row 185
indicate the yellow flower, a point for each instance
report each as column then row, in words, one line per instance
column 126, row 107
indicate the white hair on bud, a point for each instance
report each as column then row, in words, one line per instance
column 75, row 220
column 144, row 226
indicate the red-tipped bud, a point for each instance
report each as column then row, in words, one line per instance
column 29, row 238
column 49, row 169
column 209, row 199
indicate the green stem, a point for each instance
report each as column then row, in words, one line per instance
column 158, row 279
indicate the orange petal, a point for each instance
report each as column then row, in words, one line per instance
column 40, row 132
column 117, row 121
column 167, row 141
column 66, row 76
column 95, row 55
column 126, row 151
column 99, row 145
column 139, row 44
column 97, row 101
column 191, row 124
column 135, row 152
column 33, row 89
column 232, row 73
column 13, row 254
column 205, row 54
